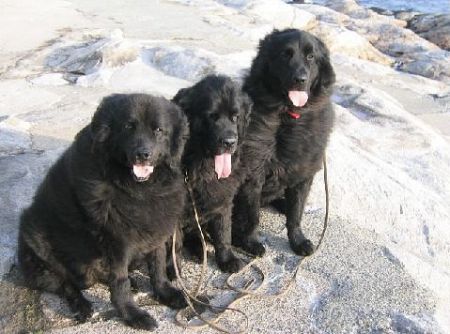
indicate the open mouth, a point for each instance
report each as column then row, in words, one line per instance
column 142, row 172
column 298, row 97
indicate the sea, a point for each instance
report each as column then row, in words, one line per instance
column 423, row 6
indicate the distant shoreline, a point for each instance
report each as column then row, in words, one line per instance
column 422, row 6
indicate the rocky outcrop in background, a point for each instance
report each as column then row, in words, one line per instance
column 433, row 27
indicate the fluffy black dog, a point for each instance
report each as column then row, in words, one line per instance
column 218, row 113
column 114, row 197
column 290, row 83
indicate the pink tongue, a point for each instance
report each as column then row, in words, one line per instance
column 298, row 98
column 222, row 165
column 142, row 171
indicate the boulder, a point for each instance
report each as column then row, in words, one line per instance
column 433, row 27
column 348, row 42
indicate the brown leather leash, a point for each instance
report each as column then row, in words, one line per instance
column 191, row 298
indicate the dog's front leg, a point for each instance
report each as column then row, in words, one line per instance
column 295, row 203
column 121, row 296
column 220, row 231
column 165, row 292
column 247, row 204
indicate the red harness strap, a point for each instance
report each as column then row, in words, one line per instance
column 293, row 114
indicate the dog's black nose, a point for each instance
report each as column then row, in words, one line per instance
column 142, row 154
column 229, row 142
column 300, row 79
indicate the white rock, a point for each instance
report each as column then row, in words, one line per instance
column 182, row 63
column 14, row 136
column 50, row 79
column 281, row 15
column 343, row 41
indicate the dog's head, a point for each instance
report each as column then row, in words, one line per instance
column 139, row 132
column 218, row 113
column 293, row 65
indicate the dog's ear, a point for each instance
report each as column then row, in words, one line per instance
column 326, row 76
column 265, row 44
column 184, row 99
column 246, row 109
column 180, row 133
column 101, row 121
column 260, row 62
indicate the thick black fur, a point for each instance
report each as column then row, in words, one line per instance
column 282, row 154
column 218, row 113
column 91, row 218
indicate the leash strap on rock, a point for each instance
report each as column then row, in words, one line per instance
column 189, row 297
column 197, row 220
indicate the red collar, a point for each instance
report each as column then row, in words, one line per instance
column 293, row 114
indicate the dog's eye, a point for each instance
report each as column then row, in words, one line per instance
column 234, row 118
column 310, row 56
column 288, row 53
column 158, row 130
column 130, row 125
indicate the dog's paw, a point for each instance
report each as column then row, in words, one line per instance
column 232, row 265
column 171, row 297
column 303, row 247
column 177, row 301
column 250, row 245
column 85, row 312
column 82, row 309
column 255, row 248
column 140, row 319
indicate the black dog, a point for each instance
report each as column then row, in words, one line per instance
column 114, row 197
column 290, row 83
column 218, row 113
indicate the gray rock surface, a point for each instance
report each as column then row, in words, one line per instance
column 384, row 266
column 432, row 27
